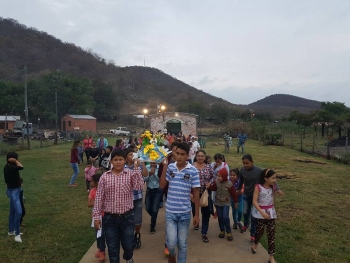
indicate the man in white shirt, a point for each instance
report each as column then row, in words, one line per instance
column 195, row 144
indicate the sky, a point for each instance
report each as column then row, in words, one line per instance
column 241, row 51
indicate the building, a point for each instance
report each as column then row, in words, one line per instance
column 7, row 122
column 71, row 122
column 174, row 122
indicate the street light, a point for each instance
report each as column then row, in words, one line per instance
column 39, row 123
column 162, row 109
column 145, row 111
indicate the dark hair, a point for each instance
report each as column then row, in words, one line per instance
column 184, row 146
column 266, row 173
column 117, row 143
column 190, row 143
column 207, row 157
column 118, row 152
column 174, row 144
column 129, row 150
column 248, row 157
column 235, row 170
column 200, row 151
column 110, row 147
column 219, row 156
column 75, row 144
column 11, row 155
column 96, row 178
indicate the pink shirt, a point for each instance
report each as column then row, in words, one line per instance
column 115, row 192
column 89, row 172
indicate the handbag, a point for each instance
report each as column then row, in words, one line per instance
column 203, row 202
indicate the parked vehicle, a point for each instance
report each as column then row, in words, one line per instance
column 123, row 131
column 20, row 128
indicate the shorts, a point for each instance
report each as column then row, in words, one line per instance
column 138, row 211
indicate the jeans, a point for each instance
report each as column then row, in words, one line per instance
column 15, row 209
column 176, row 234
column 237, row 213
column 152, row 200
column 240, row 145
column 119, row 230
column 248, row 202
column 75, row 168
column 205, row 211
column 224, row 218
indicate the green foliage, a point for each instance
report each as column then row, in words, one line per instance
column 272, row 139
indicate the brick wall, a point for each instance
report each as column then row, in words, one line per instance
column 82, row 124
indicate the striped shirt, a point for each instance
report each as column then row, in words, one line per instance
column 115, row 192
column 137, row 193
column 180, row 185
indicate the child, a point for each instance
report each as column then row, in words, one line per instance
column 118, row 220
column 80, row 154
column 264, row 211
column 249, row 176
column 105, row 158
column 191, row 153
column 181, row 177
column 153, row 194
column 130, row 164
column 236, row 213
column 224, row 190
column 101, row 242
column 22, row 200
column 208, row 159
column 13, row 182
column 89, row 171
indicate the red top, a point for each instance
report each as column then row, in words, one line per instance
column 87, row 143
column 115, row 191
column 74, row 155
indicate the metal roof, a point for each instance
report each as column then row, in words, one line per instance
column 87, row 117
column 10, row 118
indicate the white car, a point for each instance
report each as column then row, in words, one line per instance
column 123, row 131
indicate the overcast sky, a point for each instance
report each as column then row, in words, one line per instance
column 241, row 51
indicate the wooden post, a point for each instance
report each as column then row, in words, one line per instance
column 346, row 143
column 282, row 139
column 301, row 142
column 328, row 149
column 22, row 140
column 41, row 141
column 291, row 145
column 313, row 144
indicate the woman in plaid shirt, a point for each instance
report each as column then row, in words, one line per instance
column 115, row 197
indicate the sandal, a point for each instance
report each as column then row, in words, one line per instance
column 97, row 254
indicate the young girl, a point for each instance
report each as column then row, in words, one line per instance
column 264, row 211
column 236, row 213
column 74, row 163
column 101, row 244
column 224, row 190
column 89, row 170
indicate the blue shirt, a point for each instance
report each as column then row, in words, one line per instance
column 180, row 185
column 137, row 193
column 242, row 138
column 152, row 180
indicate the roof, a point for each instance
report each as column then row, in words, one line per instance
column 86, row 117
column 10, row 118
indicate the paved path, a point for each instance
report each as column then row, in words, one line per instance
column 216, row 251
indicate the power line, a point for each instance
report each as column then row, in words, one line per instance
column 13, row 74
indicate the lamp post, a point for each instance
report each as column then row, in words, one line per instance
column 162, row 109
column 39, row 123
column 145, row 111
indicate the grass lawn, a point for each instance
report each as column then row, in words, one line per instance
column 313, row 218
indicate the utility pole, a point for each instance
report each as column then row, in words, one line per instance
column 55, row 141
column 26, row 107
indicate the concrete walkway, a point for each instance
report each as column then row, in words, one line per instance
column 216, row 251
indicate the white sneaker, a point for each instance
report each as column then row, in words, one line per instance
column 13, row 233
column 18, row 238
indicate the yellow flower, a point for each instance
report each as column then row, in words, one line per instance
column 147, row 148
column 154, row 155
column 162, row 151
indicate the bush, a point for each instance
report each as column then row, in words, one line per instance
column 272, row 139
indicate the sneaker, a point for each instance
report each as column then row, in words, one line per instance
column 235, row 226
column 130, row 261
column 152, row 230
column 240, row 225
column 205, row 238
column 222, row 234
column 244, row 229
column 18, row 238
column 13, row 233
column 229, row 237
column 73, row 185
column 137, row 241
column 196, row 228
column 166, row 251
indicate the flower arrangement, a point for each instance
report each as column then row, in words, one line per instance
column 149, row 150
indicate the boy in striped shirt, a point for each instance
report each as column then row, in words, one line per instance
column 182, row 177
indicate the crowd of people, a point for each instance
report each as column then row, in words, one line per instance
column 115, row 181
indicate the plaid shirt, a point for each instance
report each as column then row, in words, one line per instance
column 115, row 192
column 137, row 193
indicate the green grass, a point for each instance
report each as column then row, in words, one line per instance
column 313, row 222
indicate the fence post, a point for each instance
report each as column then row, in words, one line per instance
column 346, row 143
column 22, row 140
column 313, row 144
column 301, row 142
column 282, row 139
column 41, row 141
column 291, row 145
column 328, row 149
